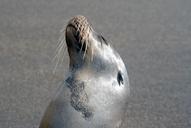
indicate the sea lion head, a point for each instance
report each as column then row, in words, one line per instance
column 89, row 50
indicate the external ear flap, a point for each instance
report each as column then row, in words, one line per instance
column 102, row 39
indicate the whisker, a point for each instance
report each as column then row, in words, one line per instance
column 60, row 42
column 92, row 52
column 85, row 50
column 63, row 55
column 58, row 58
column 59, row 52
column 82, row 46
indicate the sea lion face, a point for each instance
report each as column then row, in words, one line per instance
column 91, row 53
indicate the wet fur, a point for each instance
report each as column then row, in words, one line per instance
column 79, row 97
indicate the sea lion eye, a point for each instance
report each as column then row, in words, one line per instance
column 119, row 78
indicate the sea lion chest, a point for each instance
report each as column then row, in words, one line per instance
column 87, row 104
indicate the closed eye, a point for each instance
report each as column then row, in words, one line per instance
column 119, row 78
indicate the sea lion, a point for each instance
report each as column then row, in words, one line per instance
column 94, row 94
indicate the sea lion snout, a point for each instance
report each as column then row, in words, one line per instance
column 77, row 33
column 73, row 38
column 81, row 41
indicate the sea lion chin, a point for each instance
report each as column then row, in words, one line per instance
column 95, row 92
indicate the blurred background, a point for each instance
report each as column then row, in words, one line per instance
column 152, row 36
